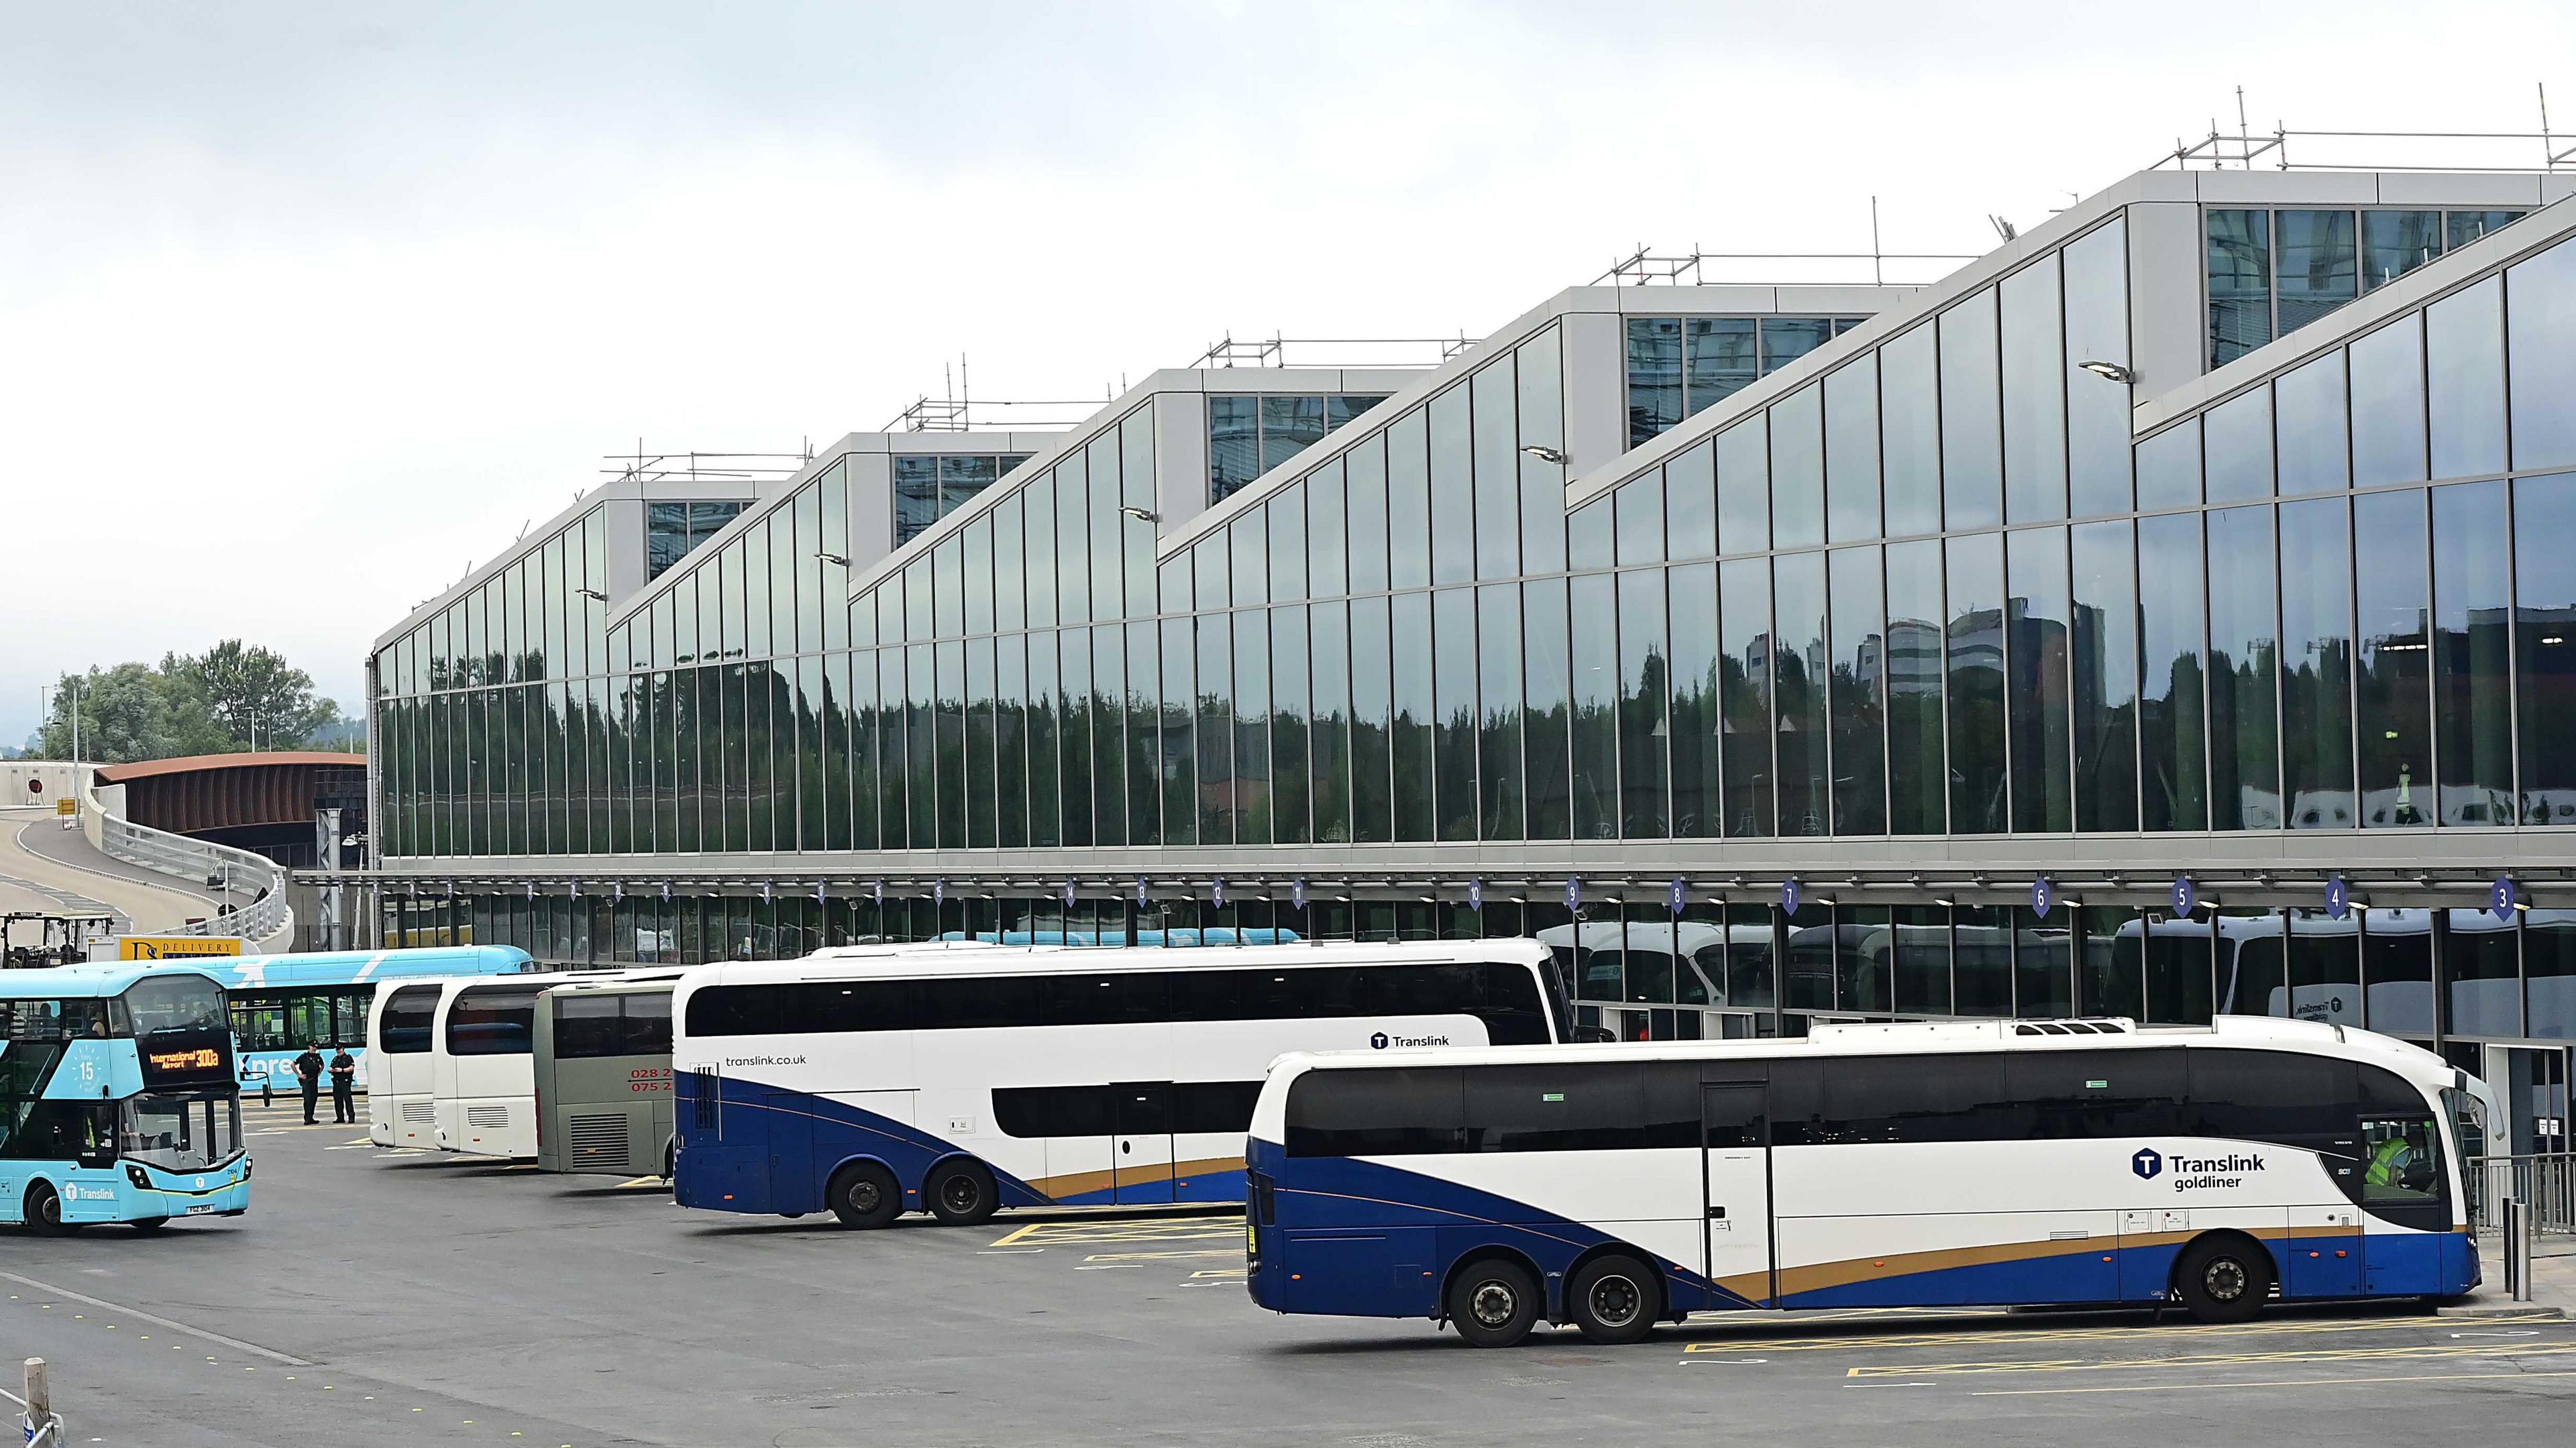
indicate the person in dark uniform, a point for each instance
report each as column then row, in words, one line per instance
column 344, row 1085
column 308, row 1070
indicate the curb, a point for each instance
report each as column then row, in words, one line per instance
column 2532, row 1311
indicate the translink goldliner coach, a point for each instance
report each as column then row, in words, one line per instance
column 2002, row 1162
column 871, row 1088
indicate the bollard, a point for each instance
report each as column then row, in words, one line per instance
column 2517, row 1249
column 41, row 1424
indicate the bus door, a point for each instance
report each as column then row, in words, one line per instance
column 2404, row 1184
column 1736, row 1136
column 1140, row 1140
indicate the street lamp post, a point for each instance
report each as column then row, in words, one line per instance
column 45, row 704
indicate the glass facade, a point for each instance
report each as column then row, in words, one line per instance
column 672, row 529
column 1248, row 434
column 1939, row 590
column 2271, row 272
column 1681, row 365
column 930, row 486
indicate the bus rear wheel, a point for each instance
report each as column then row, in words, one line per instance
column 42, row 1210
column 2223, row 1279
column 961, row 1192
column 865, row 1194
column 1493, row 1303
column 1615, row 1299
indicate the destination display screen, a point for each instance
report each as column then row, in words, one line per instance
column 186, row 1058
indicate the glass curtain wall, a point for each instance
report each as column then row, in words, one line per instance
column 1901, row 599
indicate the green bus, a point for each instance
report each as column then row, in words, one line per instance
column 603, row 1066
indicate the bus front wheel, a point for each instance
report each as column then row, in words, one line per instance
column 148, row 1225
column 865, row 1194
column 2223, row 1279
column 1493, row 1303
column 961, row 1192
column 1615, row 1299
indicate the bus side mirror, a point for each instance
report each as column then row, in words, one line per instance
column 1594, row 1035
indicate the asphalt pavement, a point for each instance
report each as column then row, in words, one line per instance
column 376, row 1297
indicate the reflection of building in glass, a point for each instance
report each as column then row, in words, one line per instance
column 930, row 486
column 1681, row 365
column 2222, row 526
column 672, row 529
column 2273, row 272
column 1249, row 435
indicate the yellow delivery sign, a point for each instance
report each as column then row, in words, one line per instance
column 175, row 947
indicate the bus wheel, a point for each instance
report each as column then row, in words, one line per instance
column 2223, row 1279
column 1615, row 1299
column 1493, row 1303
column 865, row 1194
column 961, row 1192
column 43, row 1212
column 149, row 1225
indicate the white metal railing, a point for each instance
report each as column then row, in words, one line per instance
column 203, row 864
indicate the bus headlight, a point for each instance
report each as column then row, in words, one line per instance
column 136, row 1175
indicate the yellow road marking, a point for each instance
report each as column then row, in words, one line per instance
column 1152, row 1256
column 2282, row 1383
column 2215, row 1360
column 2122, row 1331
column 1222, row 1272
column 642, row 1182
column 1067, row 1233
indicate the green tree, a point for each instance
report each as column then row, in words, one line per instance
column 253, row 693
column 218, row 702
column 127, row 713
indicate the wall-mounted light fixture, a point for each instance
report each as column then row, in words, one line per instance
column 1141, row 515
column 592, row 593
column 835, row 559
column 2112, row 370
column 1545, row 454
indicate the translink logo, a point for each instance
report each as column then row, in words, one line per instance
column 2148, row 1163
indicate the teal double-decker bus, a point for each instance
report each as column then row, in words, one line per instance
column 117, row 1099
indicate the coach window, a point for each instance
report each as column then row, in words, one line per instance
column 647, row 1028
column 2275, row 1096
column 1040, row 1111
column 585, row 1026
column 1213, row 1106
column 404, row 1028
column 1910, row 1099
column 1107, row 999
column 1388, row 1112
column 491, row 1021
column 2083, row 1094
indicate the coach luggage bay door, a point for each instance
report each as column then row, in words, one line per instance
column 1736, row 1135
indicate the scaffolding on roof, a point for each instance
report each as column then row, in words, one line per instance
column 704, row 467
column 1641, row 268
column 2501, row 152
column 1272, row 352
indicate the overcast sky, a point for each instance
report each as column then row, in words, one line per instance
column 304, row 307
